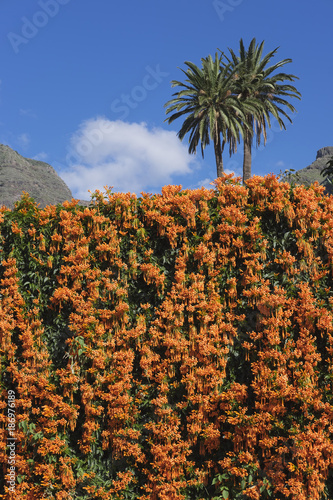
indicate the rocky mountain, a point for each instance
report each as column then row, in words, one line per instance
column 313, row 172
column 37, row 178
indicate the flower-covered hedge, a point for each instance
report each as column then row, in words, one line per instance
column 169, row 347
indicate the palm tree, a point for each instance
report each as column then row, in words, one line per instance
column 214, row 112
column 255, row 84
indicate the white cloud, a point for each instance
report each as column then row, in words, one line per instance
column 42, row 156
column 27, row 112
column 128, row 156
column 280, row 164
column 206, row 183
column 23, row 140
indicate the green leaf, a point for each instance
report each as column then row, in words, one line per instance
column 23, row 425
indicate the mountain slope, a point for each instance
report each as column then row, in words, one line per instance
column 313, row 172
column 38, row 178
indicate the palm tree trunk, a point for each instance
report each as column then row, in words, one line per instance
column 247, row 156
column 218, row 155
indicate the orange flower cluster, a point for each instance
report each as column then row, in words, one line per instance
column 154, row 344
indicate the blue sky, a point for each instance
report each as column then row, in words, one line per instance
column 83, row 85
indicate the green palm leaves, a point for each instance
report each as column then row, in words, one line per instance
column 229, row 99
column 213, row 112
column 256, row 83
